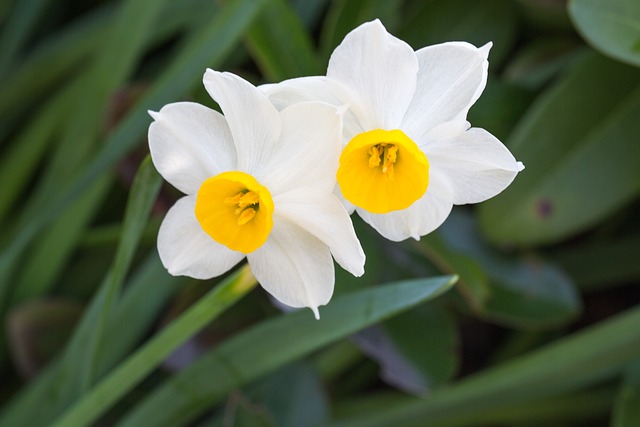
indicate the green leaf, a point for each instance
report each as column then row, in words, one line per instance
column 143, row 194
column 417, row 350
column 500, row 107
column 249, row 355
column 345, row 15
column 81, row 357
column 23, row 18
column 135, row 313
column 572, row 363
column 626, row 411
column 578, row 143
column 612, row 26
column 137, row 366
column 285, row 50
column 294, row 397
column 601, row 264
column 431, row 22
column 539, row 61
column 522, row 292
column 38, row 331
column 203, row 49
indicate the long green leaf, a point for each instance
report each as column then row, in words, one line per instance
column 82, row 354
column 285, row 50
column 270, row 345
column 135, row 313
column 145, row 360
column 626, row 412
column 143, row 194
column 591, row 355
column 23, row 18
column 205, row 48
column 578, row 143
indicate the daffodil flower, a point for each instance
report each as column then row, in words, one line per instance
column 259, row 184
column 409, row 153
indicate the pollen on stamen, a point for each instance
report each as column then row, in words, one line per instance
column 374, row 156
column 246, row 216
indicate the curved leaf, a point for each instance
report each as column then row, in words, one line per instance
column 612, row 26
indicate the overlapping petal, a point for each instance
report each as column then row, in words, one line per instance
column 381, row 71
column 186, row 250
column 295, row 267
column 253, row 120
column 451, row 78
column 318, row 89
column 189, row 143
column 308, row 150
column 476, row 165
column 322, row 214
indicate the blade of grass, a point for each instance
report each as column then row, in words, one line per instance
column 264, row 348
column 143, row 194
column 21, row 21
column 82, row 354
column 67, row 53
column 147, row 358
column 591, row 355
column 124, row 45
column 205, row 48
column 20, row 160
column 135, row 313
column 284, row 50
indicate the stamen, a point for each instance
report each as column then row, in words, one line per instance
column 390, row 157
column 374, row 156
column 233, row 201
column 246, row 216
column 385, row 153
column 247, row 203
column 249, row 198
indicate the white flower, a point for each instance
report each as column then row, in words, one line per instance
column 259, row 184
column 409, row 154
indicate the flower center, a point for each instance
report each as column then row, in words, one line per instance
column 235, row 210
column 383, row 171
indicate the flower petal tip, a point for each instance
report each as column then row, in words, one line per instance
column 484, row 50
column 316, row 313
column 154, row 114
column 520, row 166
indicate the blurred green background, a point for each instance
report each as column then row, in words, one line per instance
column 543, row 325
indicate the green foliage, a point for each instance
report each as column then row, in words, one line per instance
column 612, row 27
column 540, row 328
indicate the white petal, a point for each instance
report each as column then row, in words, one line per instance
column 186, row 250
column 451, row 78
column 419, row 219
column 381, row 69
column 254, row 121
column 308, row 151
column 317, row 88
column 322, row 214
column 190, row 143
column 294, row 266
column 476, row 165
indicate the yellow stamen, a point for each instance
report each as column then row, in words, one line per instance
column 246, row 215
column 235, row 210
column 383, row 171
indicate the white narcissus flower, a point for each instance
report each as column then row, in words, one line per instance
column 259, row 184
column 409, row 154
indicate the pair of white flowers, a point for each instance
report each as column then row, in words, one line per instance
column 275, row 179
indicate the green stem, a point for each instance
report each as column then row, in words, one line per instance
column 137, row 366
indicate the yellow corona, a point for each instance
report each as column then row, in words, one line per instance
column 235, row 210
column 383, row 171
